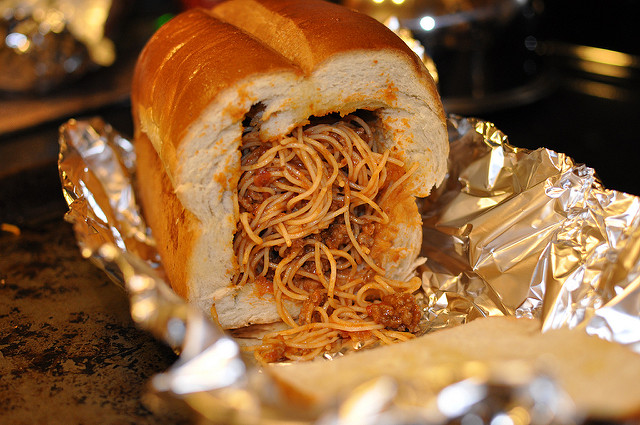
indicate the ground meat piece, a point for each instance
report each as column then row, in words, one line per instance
column 251, row 200
column 316, row 298
column 365, row 237
column 297, row 248
column 335, row 235
column 263, row 286
column 356, row 336
column 309, row 285
column 396, row 311
column 246, row 203
column 262, row 177
column 336, row 204
column 310, row 266
column 274, row 351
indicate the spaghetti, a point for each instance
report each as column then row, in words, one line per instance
column 310, row 204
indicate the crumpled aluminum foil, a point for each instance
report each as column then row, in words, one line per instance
column 45, row 43
column 530, row 234
column 510, row 232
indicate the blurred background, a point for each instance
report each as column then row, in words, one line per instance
column 558, row 74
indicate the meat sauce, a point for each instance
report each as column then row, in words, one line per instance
column 263, row 286
column 316, row 298
column 396, row 311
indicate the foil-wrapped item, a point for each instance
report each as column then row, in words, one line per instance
column 511, row 232
column 48, row 42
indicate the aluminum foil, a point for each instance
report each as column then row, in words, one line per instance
column 45, row 43
column 530, row 234
column 510, row 232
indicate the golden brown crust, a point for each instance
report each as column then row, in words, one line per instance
column 155, row 190
column 174, row 79
column 173, row 75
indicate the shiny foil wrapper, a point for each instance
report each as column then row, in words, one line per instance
column 510, row 232
column 45, row 43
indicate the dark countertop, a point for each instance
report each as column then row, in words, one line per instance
column 69, row 351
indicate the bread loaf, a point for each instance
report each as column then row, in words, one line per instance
column 207, row 73
column 600, row 377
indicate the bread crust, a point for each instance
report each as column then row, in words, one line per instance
column 314, row 34
column 155, row 189
column 239, row 39
column 185, row 65
column 311, row 32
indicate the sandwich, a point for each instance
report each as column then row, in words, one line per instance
column 281, row 146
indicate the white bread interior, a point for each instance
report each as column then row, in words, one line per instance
column 600, row 377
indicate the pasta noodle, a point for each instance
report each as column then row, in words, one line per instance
column 309, row 207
